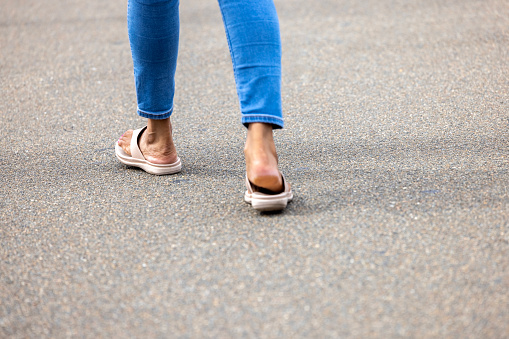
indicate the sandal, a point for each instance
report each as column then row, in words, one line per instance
column 136, row 159
column 265, row 200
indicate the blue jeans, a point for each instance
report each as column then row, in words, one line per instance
column 252, row 31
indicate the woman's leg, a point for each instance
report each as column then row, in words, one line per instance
column 153, row 27
column 252, row 30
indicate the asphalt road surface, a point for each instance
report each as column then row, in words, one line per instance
column 396, row 143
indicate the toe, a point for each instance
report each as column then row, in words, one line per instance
column 125, row 141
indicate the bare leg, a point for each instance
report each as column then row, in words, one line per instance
column 156, row 142
column 261, row 157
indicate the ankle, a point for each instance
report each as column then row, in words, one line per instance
column 258, row 130
column 158, row 131
column 260, row 151
column 259, row 138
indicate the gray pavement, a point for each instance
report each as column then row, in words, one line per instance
column 396, row 145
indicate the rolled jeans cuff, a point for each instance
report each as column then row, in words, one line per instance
column 155, row 115
column 277, row 122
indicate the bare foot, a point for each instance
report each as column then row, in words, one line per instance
column 155, row 143
column 261, row 158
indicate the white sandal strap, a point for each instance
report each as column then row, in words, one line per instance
column 135, row 150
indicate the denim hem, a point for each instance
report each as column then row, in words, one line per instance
column 155, row 115
column 277, row 122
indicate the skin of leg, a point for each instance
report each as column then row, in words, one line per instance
column 261, row 157
column 156, row 142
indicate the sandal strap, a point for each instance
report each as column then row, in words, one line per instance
column 135, row 149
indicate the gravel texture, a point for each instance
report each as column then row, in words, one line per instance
column 396, row 144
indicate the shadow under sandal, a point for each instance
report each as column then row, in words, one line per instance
column 136, row 159
column 264, row 200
